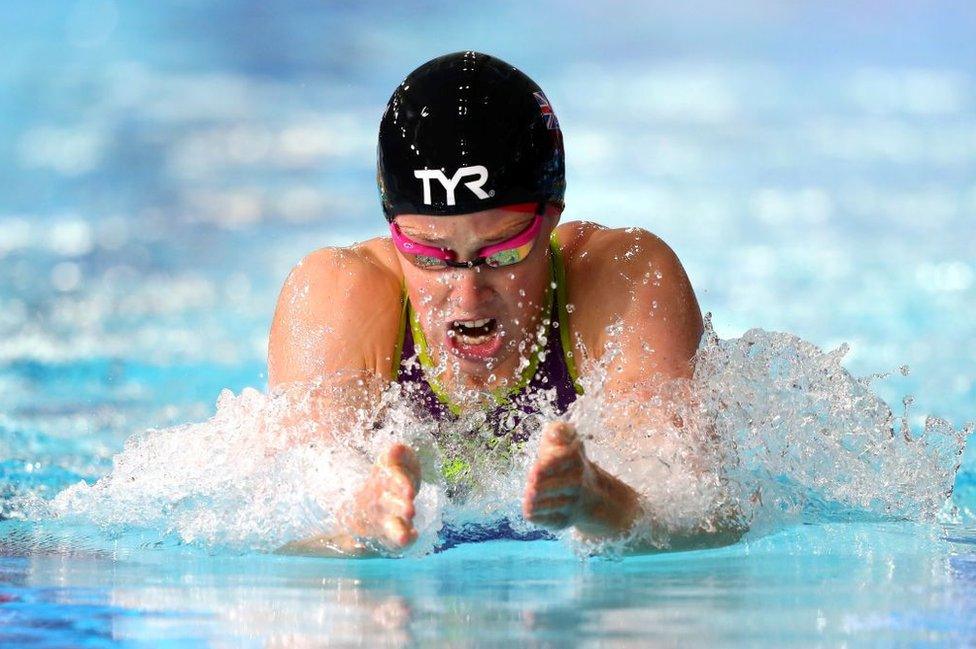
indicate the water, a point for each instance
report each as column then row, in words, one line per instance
column 165, row 167
column 814, row 585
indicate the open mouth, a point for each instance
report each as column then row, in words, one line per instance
column 475, row 338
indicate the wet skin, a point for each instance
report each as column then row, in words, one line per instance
column 512, row 295
column 613, row 276
column 379, row 518
column 383, row 509
column 564, row 488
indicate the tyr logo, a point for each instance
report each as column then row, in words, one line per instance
column 450, row 184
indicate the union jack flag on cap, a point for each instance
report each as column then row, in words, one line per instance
column 546, row 110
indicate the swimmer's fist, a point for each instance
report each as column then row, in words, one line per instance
column 382, row 511
column 564, row 488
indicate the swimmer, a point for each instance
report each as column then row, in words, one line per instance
column 471, row 179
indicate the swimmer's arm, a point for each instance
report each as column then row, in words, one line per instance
column 333, row 334
column 660, row 322
column 329, row 546
column 621, row 512
column 653, row 348
column 330, row 409
column 336, row 545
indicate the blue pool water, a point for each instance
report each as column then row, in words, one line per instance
column 163, row 168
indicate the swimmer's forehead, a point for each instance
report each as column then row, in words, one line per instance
column 486, row 226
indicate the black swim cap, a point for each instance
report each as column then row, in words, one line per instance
column 467, row 132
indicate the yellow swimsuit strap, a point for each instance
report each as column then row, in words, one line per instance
column 562, row 299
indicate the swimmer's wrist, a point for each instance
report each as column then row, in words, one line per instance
column 609, row 507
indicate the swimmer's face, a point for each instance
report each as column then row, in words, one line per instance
column 476, row 319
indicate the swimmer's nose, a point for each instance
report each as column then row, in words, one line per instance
column 470, row 288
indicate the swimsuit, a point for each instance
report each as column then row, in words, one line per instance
column 550, row 374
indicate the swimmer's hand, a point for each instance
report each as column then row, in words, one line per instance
column 379, row 519
column 383, row 510
column 565, row 488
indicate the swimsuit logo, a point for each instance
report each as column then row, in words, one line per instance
column 450, row 184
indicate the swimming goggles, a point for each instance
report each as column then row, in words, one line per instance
column 505, row 253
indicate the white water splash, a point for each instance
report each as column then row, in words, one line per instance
column 771, row 431
column 260, row 473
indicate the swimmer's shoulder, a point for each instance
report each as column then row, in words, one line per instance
column 584, row 244
column 367, row 263
column 339, row 309
column 618, row 273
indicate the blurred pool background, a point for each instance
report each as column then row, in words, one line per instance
column 163, row 166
